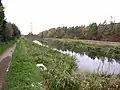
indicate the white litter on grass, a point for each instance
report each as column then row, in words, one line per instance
column 39, row 84
column 41, row 65
column 37, row 42
column 63, row 52
column 32, row 85
column 7, row 70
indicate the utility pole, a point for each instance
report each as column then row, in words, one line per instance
column 31, row 27
column 111, row 19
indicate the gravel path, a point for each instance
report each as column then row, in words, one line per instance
column 5, row 59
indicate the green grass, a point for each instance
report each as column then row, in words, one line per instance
column 4, row 46
column 23, row 71
column 61, row 73
column 92, row 42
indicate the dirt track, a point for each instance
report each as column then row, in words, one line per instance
column 5, row 59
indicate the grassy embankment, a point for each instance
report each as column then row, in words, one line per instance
column 4, row 46
column 61, row 71
column 93, row 48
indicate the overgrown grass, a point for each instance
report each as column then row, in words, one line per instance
column 4, row 46
column 92, row 42
column 23, row 71
column 61, row 73
column 92, row 49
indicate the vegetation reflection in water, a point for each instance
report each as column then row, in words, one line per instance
column 87, row 64
column 92, row 48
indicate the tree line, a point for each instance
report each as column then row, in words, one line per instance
column 8, row 31
column 103, row 31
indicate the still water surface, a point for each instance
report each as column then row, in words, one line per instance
column 87, row 64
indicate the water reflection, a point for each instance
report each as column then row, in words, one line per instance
column 87, row 64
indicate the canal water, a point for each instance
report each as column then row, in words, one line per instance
column 87, row 64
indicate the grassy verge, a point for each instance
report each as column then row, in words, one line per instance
column 23, row 72
column 4, row 46
column 92, row 42
column 61, row 71
column 94, row 49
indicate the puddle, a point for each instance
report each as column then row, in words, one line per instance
column 87, row 64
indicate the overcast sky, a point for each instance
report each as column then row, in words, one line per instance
column 45, row 14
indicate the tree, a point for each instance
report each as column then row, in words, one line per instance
column 117, row 29
column 104, row 31
column 16, row 31
column 92, row 32
column 2, row 16
column 8, row 32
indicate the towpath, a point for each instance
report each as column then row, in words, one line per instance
column 5, row 60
